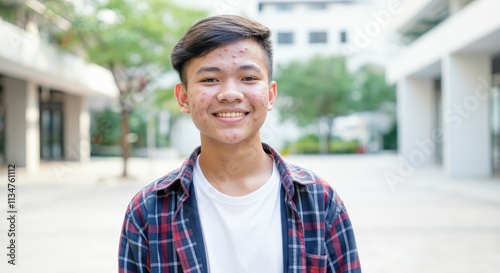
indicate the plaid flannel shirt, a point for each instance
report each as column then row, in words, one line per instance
column 162, row 232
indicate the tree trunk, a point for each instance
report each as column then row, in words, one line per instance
column 124, row 140
column 323, row 136
column 329, row 133
column 150, row 133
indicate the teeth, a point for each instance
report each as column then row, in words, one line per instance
column 230, row 115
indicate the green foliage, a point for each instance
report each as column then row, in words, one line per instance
column 11, row 12
column 130, row 33
column 371, row 89
column 375, row 95
column 138, row 126
column 165, row 99
column 310, row 144
column 133, row 39
column 390, row 139
column 317, row 88
column 48, row 19
column 344, row 147
column 323, row 87
column 105, row 128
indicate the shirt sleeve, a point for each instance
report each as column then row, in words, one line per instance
column 133, row 251
column 340, row 243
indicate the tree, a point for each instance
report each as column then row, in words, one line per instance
column 133, row 39
column 374, row 95
column 315, row 91
column 372, row 91
column 41, row 16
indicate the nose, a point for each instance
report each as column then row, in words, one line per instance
column 229, row 92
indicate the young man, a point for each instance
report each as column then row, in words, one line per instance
column 235, row 205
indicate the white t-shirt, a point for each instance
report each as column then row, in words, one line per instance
column 241, row 234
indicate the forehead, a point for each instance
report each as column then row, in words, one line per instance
column 240, row 52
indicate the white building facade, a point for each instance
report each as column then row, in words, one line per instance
column 448, row 80
column 44, row 96
column 302, row 29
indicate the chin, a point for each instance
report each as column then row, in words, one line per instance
column 231, row 138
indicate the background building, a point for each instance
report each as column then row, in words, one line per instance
column 448, row 80
column 302, row 29
column 44, row 96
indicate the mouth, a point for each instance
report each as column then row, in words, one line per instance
column 231, row 114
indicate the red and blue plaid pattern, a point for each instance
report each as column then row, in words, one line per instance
column 161, row 230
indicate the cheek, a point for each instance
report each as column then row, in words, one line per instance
column 198, row 101
column 205, row 97
column 199, row 105
column 260, row 102
column 260, row 99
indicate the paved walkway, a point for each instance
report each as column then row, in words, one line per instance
column 69, row 215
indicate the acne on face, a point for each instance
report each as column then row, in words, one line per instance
column 199, row 111
column 229, row 66
column 236, row 56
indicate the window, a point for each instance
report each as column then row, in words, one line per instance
column 317, row 6
column 343, row 37
column 318, row 37
column 284, row 6
column 285, row 38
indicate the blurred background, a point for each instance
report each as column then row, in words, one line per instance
column 396, row 103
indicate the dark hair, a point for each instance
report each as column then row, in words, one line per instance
column 213, row 32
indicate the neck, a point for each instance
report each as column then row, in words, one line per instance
column 235, row 169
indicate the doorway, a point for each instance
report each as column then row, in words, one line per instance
column 51, row 127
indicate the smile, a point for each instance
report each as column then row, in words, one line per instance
column 230, row 115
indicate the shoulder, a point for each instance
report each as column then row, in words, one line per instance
column 303, row 185
column 173, row 184
column 143, row 200
column 297, row 179
column 307, row 182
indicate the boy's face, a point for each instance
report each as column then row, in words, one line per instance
column 228, row 92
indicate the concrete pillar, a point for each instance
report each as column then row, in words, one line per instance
column 22, row 133
column 466, row 91
column 417, row 134
column 76, row 128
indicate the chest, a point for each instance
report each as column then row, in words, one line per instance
column 248, row 232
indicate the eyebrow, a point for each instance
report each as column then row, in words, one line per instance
column 218, row 70
column 249, row 67
column 208, row 69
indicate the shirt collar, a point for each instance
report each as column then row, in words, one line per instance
column 182, row 175
column 289, row 173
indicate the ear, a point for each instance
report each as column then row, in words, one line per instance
column 273, row 92
column 182, row 98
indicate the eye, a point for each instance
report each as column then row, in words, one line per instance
column 249, row 79
column 209, row 80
